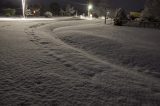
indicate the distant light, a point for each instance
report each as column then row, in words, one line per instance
column 91, row 15
column 34, row 11
column 90, row 7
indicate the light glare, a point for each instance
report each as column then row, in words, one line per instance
column 23, row 7
column 90, row 7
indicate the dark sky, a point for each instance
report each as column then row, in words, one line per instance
column 128, row 4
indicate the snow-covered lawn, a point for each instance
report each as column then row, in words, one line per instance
column 67, row 62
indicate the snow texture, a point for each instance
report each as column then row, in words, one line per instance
column 67, row 62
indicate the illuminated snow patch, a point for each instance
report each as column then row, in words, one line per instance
column 25, row 19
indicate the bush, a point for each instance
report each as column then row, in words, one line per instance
column 48, row 14
column 120, row 17
column 117, row 21
column 151, row 11
column 9, row 12
column 151, row 19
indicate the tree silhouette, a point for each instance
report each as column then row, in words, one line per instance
column 55, row 8
column 152, row 9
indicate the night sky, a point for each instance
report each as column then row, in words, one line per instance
column 128, row 4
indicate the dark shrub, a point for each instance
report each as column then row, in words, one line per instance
column 120, row 17
column 9, row 12
column 151, row 11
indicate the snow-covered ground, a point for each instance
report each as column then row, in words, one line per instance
column 69, row 62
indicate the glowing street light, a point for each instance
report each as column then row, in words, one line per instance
column 90, row 7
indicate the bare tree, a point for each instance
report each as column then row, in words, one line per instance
column 55, row 8
column 100, row 6
column 69, row 10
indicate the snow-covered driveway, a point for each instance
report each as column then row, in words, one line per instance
column 68, row 62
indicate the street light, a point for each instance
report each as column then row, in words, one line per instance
column 90, row 7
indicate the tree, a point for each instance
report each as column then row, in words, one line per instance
column 55, row 8
column 9, row 12
column 101, row 7
column 120, row 17
column 69, row 10
column 152, row 10
column 62, row 12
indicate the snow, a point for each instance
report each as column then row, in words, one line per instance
column 67, row 62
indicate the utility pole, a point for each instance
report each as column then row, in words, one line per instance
column 105, row 22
